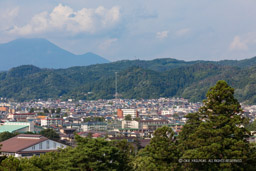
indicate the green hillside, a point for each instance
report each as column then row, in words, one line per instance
column 136, row 79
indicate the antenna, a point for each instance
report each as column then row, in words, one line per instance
column 116, row 86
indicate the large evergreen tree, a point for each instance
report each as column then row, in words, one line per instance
column 50, row 133
column 189, row 128
column 6, row 135
column 217, row 132
column 160, row 154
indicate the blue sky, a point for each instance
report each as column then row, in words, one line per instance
column 137, row 29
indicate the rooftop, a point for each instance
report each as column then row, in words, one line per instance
column 11, row 128
column 21, row 142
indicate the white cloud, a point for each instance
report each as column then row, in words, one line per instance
column 237, row 44
column 64, row 18
column 9, row 13
column 162, row 35
column 7, row 17
column 12, row 12
column 107, row 43
column 182, row 32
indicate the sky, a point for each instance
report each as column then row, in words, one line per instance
column 137, row 29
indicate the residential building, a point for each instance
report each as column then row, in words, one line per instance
column 151, row 125
column 17, row 127
column 52, row 121
column 120, row 113
column 26, row 145
column 130, row 124
column 20, row 117
column 94, row 126
column 4, row 109
column 132, row 112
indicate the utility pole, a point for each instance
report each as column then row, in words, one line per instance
column 116, row 86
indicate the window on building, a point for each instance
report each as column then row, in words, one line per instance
column 47, row 144
column 40, row 145
column 54, row 145
column 33, row 147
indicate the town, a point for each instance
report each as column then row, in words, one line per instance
column 130, row 119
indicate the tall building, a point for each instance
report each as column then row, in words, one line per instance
column 121, row 113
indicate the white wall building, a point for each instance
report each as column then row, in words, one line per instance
column 25, row 145
column 94, row 126
column 52, row 121
column 20, row 127
column 130, row 124
column 132, row 112
column 167, row 112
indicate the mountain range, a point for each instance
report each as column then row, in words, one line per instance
column 136, row 79
column 38, row 69
column 42, row 53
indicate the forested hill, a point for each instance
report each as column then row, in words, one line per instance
column 136, row 79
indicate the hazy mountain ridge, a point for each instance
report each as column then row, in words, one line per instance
column 42, row 53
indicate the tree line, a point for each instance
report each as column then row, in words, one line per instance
column 163, row 78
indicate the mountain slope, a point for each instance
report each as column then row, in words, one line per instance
column 239, row 63
column 42, row 53
column 136, row 82
column 136, row 79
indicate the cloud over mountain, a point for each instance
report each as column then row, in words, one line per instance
column 64, row 18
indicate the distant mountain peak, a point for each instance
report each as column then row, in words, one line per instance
column 30, row 40
column 42, row 53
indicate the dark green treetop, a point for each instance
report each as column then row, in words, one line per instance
column 6, row 135
column 160, row 154
column 128, row 117
column 50, row 133
column 217, row 131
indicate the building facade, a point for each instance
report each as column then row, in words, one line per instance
column 125, row 112
column 52, row 121
column 26, row 145
column 94, row 126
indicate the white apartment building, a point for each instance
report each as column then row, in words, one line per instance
column 167, row 112
column 94, row 126
column 132, row 112
column 130, row 124
column 51, row 121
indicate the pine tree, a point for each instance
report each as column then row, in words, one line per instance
column 189, row 128
column 160, row 154
column 219, row 135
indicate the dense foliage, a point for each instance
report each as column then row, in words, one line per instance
column 160, row 77
column 160, row 154
column 50, row 133
column 217, row 132
column 6, row 135
column 89, row 154
column 251, row 126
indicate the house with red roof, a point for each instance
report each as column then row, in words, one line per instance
column 26, row 145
